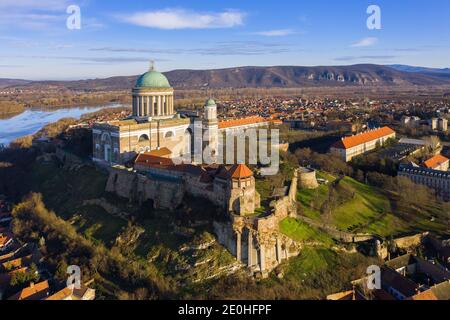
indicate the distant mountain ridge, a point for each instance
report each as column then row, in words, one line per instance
column 266, row 77
column 407, row 68
column 12, row 82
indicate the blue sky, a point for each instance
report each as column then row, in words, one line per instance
column 120, row 37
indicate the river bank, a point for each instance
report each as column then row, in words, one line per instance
column 32, row 120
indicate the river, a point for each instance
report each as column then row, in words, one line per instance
column 32, row 120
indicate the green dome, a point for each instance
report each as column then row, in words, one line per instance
column 210, row 102
column 153, row 79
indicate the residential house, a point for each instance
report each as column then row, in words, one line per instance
column 38, row 291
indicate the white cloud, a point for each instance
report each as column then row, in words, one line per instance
column 366, row 42
column 30, row 20
column 275, row 33
column 32, row 14
column 28, row 5
column 183, row 19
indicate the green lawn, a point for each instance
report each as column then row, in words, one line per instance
column 368, row 211
column 300, row 231
column 310, row 260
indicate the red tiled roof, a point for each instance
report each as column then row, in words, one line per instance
column 72, row 293
column 349, row 142
column 277, row 122
column 435, row 161
column 159, row 152
column 152, row 160
column 240, row 122
column 425, row 295
column 344, row 295
column 4, row 238
column 36, row 291
column 6, row 257
column 240, row 171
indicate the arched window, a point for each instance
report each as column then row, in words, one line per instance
column 106, row 137
column 143, row 138
column 169, row 134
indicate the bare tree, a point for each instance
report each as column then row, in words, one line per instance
column 433, row 143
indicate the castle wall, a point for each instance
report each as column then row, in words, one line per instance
column 409, row 241
column 257, row 241
column 260, row 251
column 254, row 241
column 204, row 190
column 136, row 187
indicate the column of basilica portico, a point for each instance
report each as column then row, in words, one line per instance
column 159, row 106
column 152, row 106
column 164, row 104
column 138, row 106
column 149, row 105
column 147, row 109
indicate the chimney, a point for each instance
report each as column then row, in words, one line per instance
column 32, row 285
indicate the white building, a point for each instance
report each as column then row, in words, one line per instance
column 350, row 147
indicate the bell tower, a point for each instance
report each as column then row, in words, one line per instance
column 210, row 129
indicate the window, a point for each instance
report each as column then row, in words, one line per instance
column 169, row 134
column 143, row 138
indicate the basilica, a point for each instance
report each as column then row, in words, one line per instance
column 154, row 136
column 156, row 128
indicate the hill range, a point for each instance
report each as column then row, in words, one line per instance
column 263, row 77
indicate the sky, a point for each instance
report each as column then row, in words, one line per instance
column 117, row 37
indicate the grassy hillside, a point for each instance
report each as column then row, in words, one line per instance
column 141, row 232
column 353, row 206
column 302, row 232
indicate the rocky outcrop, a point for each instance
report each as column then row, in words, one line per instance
column 104, row 204
column 409, row 242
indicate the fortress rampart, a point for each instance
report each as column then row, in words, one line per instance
column 256, row 241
